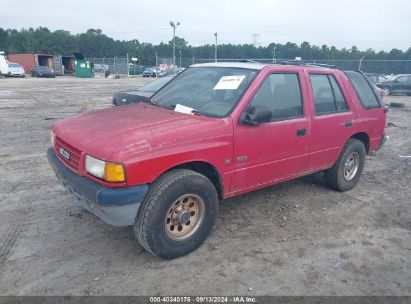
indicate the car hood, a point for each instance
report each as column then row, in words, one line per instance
column 16, row 70
column 117, row 133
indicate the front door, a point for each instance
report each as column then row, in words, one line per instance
column 275, row 150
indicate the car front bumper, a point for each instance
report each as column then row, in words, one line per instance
column 115, row 206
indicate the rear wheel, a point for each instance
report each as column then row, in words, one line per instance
column 346, row 172
column 177, row 214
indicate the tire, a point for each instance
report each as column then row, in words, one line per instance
column 386, row 91
column 159, row 211
column 342, row 176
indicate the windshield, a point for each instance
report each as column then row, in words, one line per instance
column 155, row 85
column 42, row 68
column 211, row 91
column 14, row 65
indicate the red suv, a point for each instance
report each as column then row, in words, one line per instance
column 215, row 131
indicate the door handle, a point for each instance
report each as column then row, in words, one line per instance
column 301, row 132
column 348, row 124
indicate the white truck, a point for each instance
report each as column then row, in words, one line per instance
column 4, row 65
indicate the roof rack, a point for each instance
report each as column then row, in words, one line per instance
column 288, row 62
column 248, row 60
column 321, row 65
column 302, row 63
column 292, row 62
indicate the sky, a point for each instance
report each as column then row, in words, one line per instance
column 376, row 24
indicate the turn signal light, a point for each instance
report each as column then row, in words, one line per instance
column 114, row 172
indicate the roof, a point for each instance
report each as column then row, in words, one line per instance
column 234, row 64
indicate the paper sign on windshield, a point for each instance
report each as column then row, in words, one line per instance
column 229, row 82
column 183, row 109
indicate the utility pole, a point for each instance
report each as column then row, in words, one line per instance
column 180, row 58
column 156, row 60
column 215, row 52
column 128, row 68
column 274, row 53
column 174, row 26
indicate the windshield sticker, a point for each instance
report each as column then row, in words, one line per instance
column 183, row 109
column 229, row 82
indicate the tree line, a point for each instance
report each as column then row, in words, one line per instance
column 94, row 43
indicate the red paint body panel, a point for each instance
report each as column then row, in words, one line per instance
column 150, row 140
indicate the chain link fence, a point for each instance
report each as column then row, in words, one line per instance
column 115, row 65
column 180, row 61
column 121, row 64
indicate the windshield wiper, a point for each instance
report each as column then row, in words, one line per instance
column 149, row 101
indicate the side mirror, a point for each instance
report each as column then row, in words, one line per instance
column 255, row 116
column 396, row 80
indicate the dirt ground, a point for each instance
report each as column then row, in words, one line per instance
column 297, row 238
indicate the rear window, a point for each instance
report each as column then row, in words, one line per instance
column 328, row 97
column 369, row 99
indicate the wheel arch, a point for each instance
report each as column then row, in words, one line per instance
column 364, row 138
column 206, row 169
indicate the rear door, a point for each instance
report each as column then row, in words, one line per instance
column 278, row 149
column 408, row 87
column 400, row 85
column 332, row 119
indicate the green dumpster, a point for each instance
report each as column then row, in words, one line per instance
column 82, row 67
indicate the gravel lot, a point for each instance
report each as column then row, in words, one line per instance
column 297, row 238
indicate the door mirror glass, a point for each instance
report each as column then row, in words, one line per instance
column 256, row 115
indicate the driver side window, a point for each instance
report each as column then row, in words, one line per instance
column 280, row 94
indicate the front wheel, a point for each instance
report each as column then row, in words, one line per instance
column 386, row 91
column 346, row 172
column 177, row 214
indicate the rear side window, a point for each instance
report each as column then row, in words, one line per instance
column 339, row 97
column 281, row 94
column 328, row 97
column 364, row 90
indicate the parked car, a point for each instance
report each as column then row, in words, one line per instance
column 375, row 77
column 101, row 68
column 42, row 71
column 15, row 70
column 399, row 84
column 216, row 131
column 141, row 94
column 150, row 72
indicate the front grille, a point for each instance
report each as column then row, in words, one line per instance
column 74, row 160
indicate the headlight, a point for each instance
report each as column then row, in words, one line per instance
column 110, row 172
column 52, row 138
